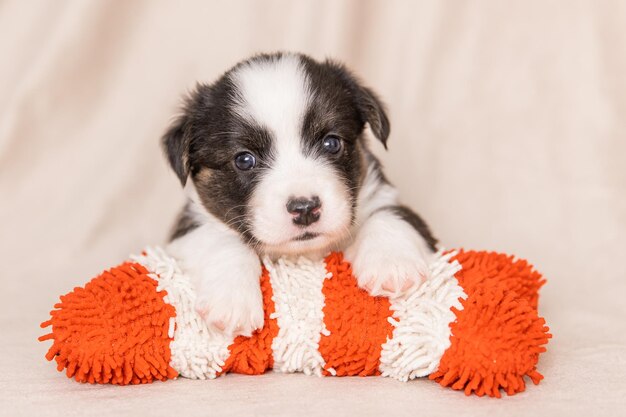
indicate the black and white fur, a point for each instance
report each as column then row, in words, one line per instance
column 289, row 112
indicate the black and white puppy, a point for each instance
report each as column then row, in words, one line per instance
column 274, row 160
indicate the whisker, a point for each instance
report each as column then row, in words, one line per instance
column 225, row 133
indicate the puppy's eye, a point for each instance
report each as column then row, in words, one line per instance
column 332, row 144
column 245, row 161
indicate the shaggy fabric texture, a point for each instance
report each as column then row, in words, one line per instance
column 476, row 309
column 117, row 329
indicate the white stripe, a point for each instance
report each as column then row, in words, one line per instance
column 298, row 300
column 197, row 352
column 421, row 320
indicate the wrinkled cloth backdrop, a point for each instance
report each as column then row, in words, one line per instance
column 508, row 133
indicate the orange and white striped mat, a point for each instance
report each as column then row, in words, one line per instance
column 472, row 325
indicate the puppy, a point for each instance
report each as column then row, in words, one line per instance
column 274, row 161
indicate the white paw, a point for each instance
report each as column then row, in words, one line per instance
column 388, row 257
column 389, row 274
column 226, row 275
column 228, row 290
column 238, row 312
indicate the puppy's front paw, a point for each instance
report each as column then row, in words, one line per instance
column 388, row 271
column 229, row 296
column 236, row 313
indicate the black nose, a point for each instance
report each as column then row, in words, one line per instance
column 305, row 210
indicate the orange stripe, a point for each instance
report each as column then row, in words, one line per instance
column 357, row 323
column 497, row 336
column 114, row 330
column 253, row 355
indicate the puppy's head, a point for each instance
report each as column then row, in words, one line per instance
column 274, row 149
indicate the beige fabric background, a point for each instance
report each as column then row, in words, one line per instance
column 508, row 133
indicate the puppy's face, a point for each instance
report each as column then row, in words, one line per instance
column 275, row 150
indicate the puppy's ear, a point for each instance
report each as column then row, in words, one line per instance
column 373, row 111
column 369, row 105
column 175, row 143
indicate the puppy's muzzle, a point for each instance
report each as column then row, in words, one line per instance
column 305, row 210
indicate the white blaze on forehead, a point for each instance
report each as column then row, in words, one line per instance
column 274, row 94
